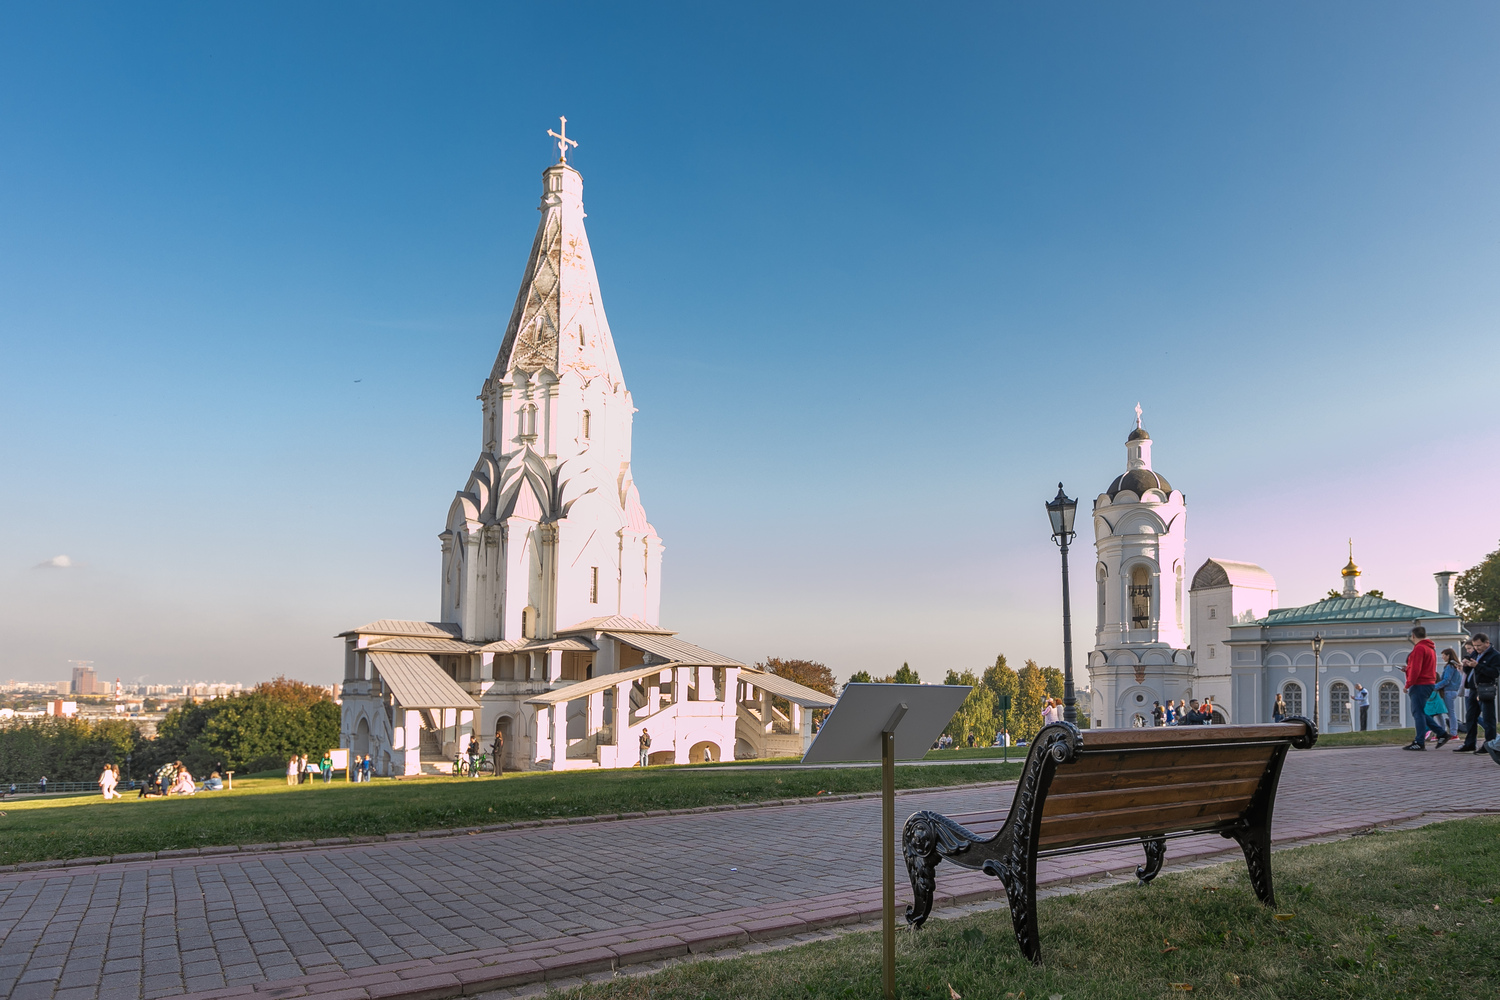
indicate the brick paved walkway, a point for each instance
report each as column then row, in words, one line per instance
column 477, row 912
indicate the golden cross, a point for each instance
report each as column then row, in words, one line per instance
column 563, row 142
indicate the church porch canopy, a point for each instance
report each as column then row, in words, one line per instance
column 674, row 650
column 793, row 692
column 416, row 681
column 582, row 689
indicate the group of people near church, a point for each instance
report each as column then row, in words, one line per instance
column 1183, row 713
column 1433, row 690
column 169, row 779
column 300, row 771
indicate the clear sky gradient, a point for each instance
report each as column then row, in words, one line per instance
column 879, row 276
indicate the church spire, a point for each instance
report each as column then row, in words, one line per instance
column 558, row 323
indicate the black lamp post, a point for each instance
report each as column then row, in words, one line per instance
column 1061, row 510
column 1317, row 645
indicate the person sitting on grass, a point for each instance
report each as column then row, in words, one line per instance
column 182, row 784
column 215, row 783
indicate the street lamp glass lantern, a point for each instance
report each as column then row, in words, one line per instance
column 1060, row 509
column 1317, row 644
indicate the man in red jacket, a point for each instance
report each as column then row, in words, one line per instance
column 1421, row 677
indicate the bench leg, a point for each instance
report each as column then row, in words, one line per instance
column 1020, row 893
column 1156, row 853
column 1256, row 843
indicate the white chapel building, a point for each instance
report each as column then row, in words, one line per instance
column 548, row 631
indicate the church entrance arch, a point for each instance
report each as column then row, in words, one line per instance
column 704, row 753
column 360, row 744
column 503, row 728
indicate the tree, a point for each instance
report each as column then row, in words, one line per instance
column 1054, row 679
column 1002, row 682
column 859, row 677
column 1334, row 595
column 906, row 675
column 1478, row 590
column 805, row 672
column 976, row 715
column 66, row 749
column 254, row 731
column 1027, row 708
column 808, row 673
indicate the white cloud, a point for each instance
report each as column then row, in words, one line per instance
column 56, row 562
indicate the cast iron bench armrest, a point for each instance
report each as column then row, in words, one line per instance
column 1158, row 763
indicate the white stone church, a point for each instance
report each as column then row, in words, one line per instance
column 549, row 628
column 1223, row 636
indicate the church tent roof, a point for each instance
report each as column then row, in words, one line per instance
column 396, row 626
column 790, row 690
column 1338, row 609
column 582, row 689
column 674, row 650
column 615, row 623
column 416, row 681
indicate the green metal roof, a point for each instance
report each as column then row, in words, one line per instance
column 1346, row 609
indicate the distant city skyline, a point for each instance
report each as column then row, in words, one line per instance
column 877, row 285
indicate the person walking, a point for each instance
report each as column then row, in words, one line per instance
column 1421, row 679
column 291, row 771
column 42, row 785
column 326, row 766
column 1484, row 676
column 107, row 782
column 1361, row 702
column 1158, row 714
column 645, row 742
column 302, row 768
column 1171, row 713
column 497, row 752
column 1450, row 683
column 1278, row 710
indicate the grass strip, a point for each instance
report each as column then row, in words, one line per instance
column 1399, row 914
column 266, row 809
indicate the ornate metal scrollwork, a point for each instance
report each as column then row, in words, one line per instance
column 928, row 838
column 1306, row 740
column 1156, row 854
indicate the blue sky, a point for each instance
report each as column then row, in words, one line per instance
column 879, row 276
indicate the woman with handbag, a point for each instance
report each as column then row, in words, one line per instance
column 1450, row 681
column 1484, row 676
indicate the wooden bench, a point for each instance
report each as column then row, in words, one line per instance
column 1088, row 790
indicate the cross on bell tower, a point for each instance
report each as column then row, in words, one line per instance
column 563, row 142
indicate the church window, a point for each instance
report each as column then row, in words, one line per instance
column 593, row 584
column 585, row 422
column 1212, row 651
column 1338, row 704
column 1213, row 613
column 580, row 335
column 1140, row 597
column 1291, row 696
column 1390, row 705
column 1101, row 574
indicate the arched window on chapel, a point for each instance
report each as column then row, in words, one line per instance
column 1291, row 696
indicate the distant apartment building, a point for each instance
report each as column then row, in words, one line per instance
column 85, row 681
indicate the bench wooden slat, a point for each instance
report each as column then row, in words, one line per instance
column 1130, row 822
column 1107, row 739
column 1103, row 801
column 1096, row 763
column 1068, row 782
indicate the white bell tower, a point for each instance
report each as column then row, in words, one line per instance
column 1140, row 639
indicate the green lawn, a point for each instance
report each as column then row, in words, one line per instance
column 265, row 809
column 1410, row 914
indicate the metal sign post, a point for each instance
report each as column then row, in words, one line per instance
column 886, row 722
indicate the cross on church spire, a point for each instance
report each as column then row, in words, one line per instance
column 1138, row 414
column 563, row 142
